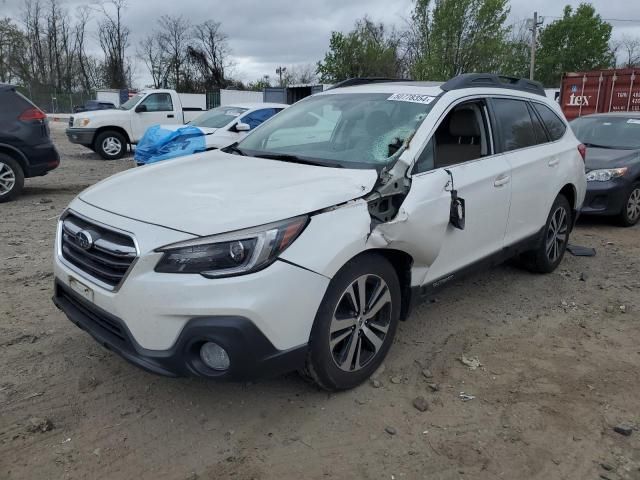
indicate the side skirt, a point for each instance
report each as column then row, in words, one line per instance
column 422, row 293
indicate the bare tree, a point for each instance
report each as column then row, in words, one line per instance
column 210, row 54
column 151, row 52
column 299, row 75
column 175, row 34
column 114, row 40
column 628, row 49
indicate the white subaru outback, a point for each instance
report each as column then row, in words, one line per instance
column 303, row 246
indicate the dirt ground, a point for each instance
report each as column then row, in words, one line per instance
column 559, row 369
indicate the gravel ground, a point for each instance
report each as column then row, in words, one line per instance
column 558, row 355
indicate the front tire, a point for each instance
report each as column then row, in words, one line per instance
column 630, row 213
column 355, row 324
column 11, row 178
column 110, row 145
column 552, row 245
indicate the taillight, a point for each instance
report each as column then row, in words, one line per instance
column 32, row 114
column 583, row 151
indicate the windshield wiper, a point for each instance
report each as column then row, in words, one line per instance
column 233, row 148
column 284, row 157
column 593, row 145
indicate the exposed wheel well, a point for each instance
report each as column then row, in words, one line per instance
column 16, row 156
column 402, row 263
column 120, row 130
column 569, row 191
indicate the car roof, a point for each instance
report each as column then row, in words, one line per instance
column 252, row 105
column 613, row 115
column 425, row 88
column 5, row 86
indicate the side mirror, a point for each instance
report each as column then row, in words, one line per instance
column 141, row 108
column 242, row 127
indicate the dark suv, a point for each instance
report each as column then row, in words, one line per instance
column 25, row 147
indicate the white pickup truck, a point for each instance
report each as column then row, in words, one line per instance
column 107, row 132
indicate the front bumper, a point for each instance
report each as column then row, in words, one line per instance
column 155, row 309
column 82, row 136
column 606, row 198
column 252, row 355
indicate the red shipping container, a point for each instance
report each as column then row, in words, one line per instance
column 600, row 91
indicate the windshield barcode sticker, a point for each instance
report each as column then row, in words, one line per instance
column 411, row 97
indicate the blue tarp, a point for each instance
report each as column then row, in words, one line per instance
column 161, row 144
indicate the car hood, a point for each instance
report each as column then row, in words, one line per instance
column 205, row 130
column 215, row 192
column 609, row 158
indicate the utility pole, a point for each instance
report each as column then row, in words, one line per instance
column 280, row 71
column 534, row 42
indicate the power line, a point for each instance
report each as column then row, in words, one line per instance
column 630, row 20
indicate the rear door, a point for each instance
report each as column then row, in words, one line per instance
column 159, row 110
column 533, row 159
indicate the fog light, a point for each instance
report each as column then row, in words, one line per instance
column 214, row 356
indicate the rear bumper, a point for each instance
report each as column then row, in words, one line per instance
column 82, row 136
column 606, row 198
column 252, row 355
column 42, row 159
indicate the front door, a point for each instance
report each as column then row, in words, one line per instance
column 159, row 110
column 460, row 156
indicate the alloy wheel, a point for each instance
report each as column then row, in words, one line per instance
column 360, row 323
column 7, row 179
column 111, row 146
column 557, row 234
column 633, row 205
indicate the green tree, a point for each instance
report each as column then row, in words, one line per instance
column 450, row 37
column 578, row 41
column 12, row 51
column 369, row 50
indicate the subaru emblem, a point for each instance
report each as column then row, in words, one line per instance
column 84, row 239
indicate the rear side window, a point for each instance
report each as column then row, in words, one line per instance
column 13, row 103
column 515, row 123
column 538, row 129
column 555, row 126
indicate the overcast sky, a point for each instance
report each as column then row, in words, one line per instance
column 266, row 33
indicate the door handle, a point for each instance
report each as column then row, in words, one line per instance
column 501, row 180
column 170, row 115
column 554, row 162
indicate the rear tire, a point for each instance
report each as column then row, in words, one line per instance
column 552, row 245
column 630, row 213
column 351, row 336
column 11, row 178
column 110, row 145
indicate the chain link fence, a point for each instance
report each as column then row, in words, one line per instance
column 51, row 101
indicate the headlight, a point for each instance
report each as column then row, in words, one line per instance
column 82, row 122
column 229, row 254
column 606, row 174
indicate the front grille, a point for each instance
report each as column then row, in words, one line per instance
column 101, row 253
column 70, row 122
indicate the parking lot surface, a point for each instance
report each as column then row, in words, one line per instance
column 558, row 356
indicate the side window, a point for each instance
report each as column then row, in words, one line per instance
column 254, row 119
column 555, row 126
column 461, row 136
column 426, row 160
column 515, row 123
column 538, row 129
column 158, row 102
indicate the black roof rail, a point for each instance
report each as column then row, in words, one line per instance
column 351, row 82
column 471, row 80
